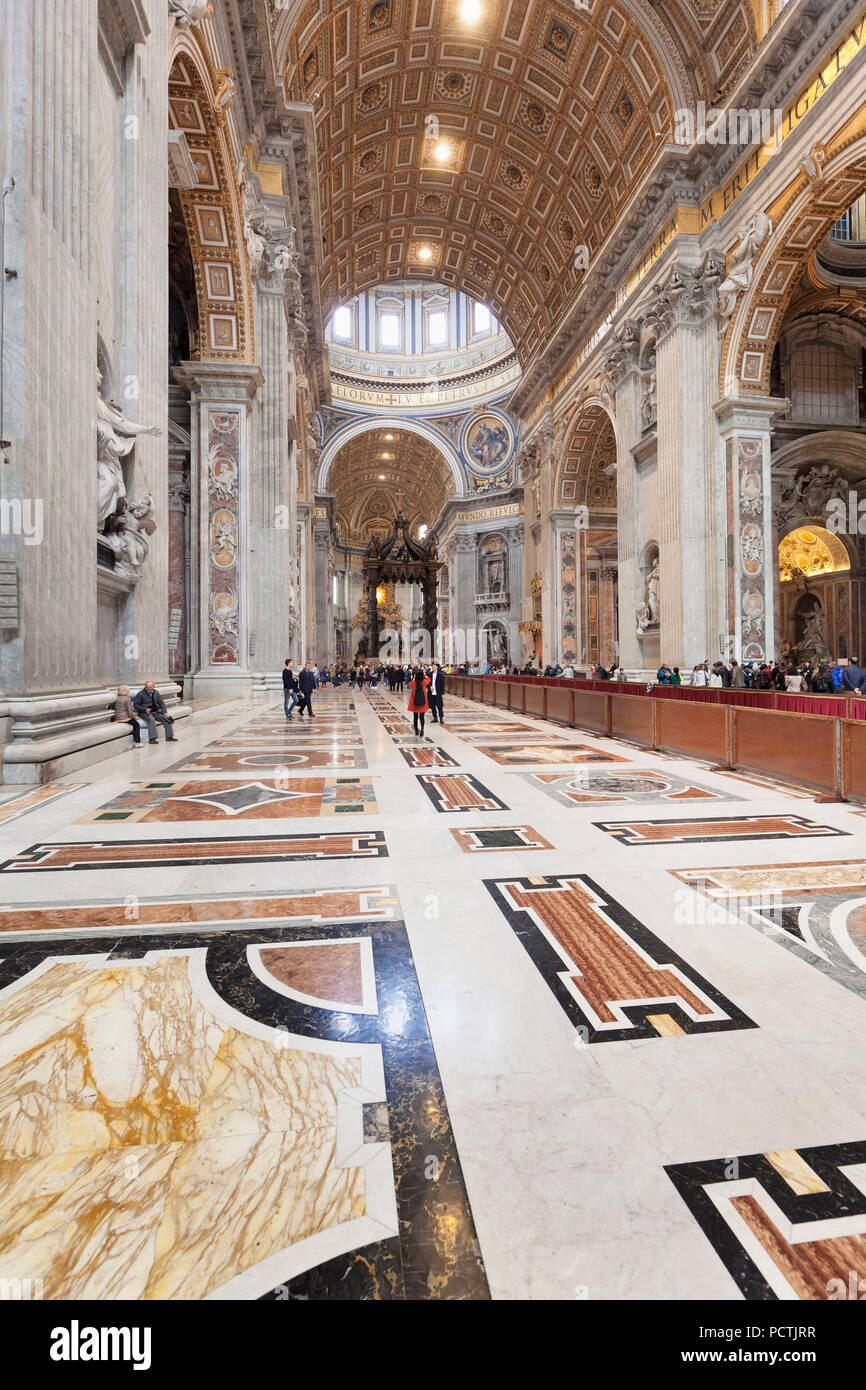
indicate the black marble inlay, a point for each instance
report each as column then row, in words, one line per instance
column 500, row 839
column 842, row 1199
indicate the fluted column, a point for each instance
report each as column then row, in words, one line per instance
column 623, row 384
column 463, row 618
column 272, row 515
column 687, row 364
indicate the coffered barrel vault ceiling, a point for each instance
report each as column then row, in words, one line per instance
column 552, row 114
column 368, row 486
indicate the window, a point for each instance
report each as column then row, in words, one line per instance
column 389, row 330
column 335, row 592
column 422, row 531
column 342, row 323
column 437, row 327
column 841, row 230
column 482, row 319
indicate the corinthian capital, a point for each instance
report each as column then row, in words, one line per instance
column 687, row 296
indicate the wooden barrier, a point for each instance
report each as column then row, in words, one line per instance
column 700, row 731
column 535, row 700
column 799, row 747
column 631, row 717
column 824, row 751
column 591, row 710
column 560, row 705
column 853, row 759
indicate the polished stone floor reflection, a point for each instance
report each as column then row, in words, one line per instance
column 465, row 1043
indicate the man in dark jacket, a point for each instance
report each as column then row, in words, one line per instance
column 150, row 706
column 290, row 688
column 854, row 677
column 435, row 693
column 306, row 685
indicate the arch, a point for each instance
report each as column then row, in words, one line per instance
column 812, row 550
column 389, row 422
column 802, row 217
column 581, row 479
column 845, row 449
column 211, row 210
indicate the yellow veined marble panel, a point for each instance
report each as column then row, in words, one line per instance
column 148, row 1149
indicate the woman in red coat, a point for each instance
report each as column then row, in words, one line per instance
column 418, row 705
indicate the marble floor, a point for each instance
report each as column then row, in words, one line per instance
column 325, row 1010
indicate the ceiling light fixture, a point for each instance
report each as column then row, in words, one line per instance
column 442, row 152
column 470, row 11
column 389, row 436
column 381, row 477
column 425, row 253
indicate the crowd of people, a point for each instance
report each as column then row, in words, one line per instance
column 425, row 685
column 818, row 678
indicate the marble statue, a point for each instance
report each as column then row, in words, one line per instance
column 115, row 438
column 752, row 235
column 255, row 233
column 496, row 638
column 496, row 576
column 813, row 643
column 130, row 543
column 189, row 12
column 647, row 613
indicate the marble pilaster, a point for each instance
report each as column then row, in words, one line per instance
column 624, row 379
column 687, row 364
column 221, row 400
column 273, row 488
column 745, row 425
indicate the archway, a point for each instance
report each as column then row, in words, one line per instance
column 801, row 221
column 390, row 425
column 815, row 595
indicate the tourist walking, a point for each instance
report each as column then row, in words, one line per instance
column 418, row 705
column 290, row 689
column 306, row 685
column 435, row 694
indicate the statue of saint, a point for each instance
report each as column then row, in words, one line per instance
column 813, row 643
column 652, row 591
column 115, row 438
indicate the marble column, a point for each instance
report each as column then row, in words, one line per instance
column 463, row 616
column 58, row 678
column 178, row 571
column 221, row 399
column 324, row 597
column 745, row 426
column 623, row 381
column 607, row 645
column 514, row 539
column 683, row 313
column 564, row 640
column 272, row 488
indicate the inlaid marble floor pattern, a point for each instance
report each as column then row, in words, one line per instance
column 323, row 1010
